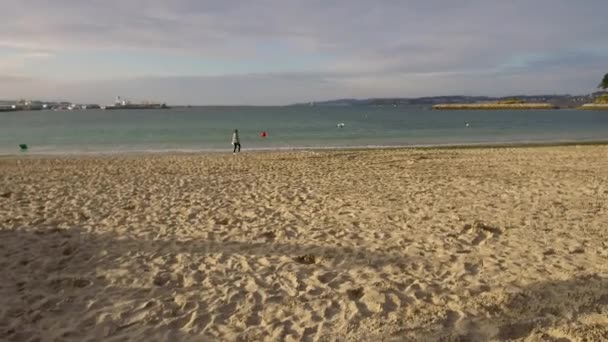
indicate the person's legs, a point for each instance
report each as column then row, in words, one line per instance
column 239, row 144
column 234, row 150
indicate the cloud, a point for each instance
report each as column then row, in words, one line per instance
column 14, row 79
column 331, row 26
column 366, row 47
column 16, row 61
column 37, row 54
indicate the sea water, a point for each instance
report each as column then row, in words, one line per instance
column 291, row 127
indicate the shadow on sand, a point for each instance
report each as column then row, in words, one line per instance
column 568, row 310
column 50, row 289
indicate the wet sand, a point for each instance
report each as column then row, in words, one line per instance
column 405, row 244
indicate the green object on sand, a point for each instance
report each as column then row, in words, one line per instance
column 23, row 147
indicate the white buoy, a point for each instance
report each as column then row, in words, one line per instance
column 466, row 124
column 340, row 125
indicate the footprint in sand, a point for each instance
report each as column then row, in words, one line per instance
column 331, row 311
column 167, row 278
column 268, row 236
column 451, row 318
column 577, row 250
column 481, row 237
column 481, row 232
column 222, row 221
column 550, row 251
column 472, row 269
column 60, row 283
column 355, row 294
column 326, row 277
column 306, row 259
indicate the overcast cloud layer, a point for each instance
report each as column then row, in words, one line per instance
column 281, row 51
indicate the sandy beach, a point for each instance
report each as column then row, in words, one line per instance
column 399, row 245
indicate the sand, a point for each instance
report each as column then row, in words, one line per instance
column 397, row 245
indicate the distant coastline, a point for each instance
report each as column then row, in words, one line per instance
column 561, row 101
column 497, row 106
column 595, row 106
column 34, row 105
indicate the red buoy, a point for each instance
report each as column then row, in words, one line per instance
column 263, row 134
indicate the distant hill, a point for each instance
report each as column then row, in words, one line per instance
column 563, row 101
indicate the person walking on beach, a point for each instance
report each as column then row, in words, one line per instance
column 235, row 141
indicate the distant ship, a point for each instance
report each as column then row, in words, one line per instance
column 9, row 108
column 126, row 104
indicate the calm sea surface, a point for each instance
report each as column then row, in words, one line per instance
column 210, row 128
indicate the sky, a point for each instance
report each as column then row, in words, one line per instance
column 274, row 52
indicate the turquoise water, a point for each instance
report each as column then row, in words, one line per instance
column 210, row 128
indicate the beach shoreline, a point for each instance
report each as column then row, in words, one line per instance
column 474, row 145
column 405, row 244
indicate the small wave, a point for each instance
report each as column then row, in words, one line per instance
column 55, row 151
